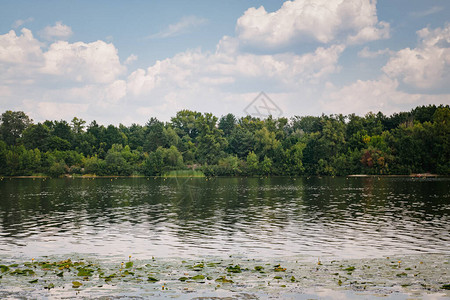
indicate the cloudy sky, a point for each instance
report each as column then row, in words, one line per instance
column 126, row 61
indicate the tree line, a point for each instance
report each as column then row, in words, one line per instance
column 403, row 143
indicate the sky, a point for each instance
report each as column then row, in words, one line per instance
column 127, row 61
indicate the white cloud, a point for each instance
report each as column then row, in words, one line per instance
column 57, row 32
column 324, row 21
column 426, row 66
column 22, row 49
column 43, row 110
column 130, row 59
column 366, row 53
column 195, row 69
column 383, row 95
column 81, row 62
column 20, row 22
column 183, row 26
column 60, row 81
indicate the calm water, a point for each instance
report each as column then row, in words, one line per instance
column 252, row 217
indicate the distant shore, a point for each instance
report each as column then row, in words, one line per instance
column 89, row 176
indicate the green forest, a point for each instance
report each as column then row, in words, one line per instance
column 336, row 145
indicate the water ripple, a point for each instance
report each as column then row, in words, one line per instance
column 358, row 217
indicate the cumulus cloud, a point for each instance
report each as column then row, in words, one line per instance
column 192, row 69
column 428, row 65
column 184, row 25
column 22, row 49
column 57, row 32
column 382, row 94
column 323, row 21
column 61, row 80
column 23, row 56
column 93, row 62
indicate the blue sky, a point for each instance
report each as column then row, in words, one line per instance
column 126, row 61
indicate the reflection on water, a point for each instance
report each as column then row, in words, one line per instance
column 355, row 217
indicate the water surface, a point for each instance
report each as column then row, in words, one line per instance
column 248, row 217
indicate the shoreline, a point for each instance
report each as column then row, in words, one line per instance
column 90, row 176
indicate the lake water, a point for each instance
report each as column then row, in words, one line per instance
column 245, row 217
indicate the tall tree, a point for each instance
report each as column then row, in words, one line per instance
column 12, row 125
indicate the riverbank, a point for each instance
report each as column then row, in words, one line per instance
column 417, row 175
column 199, row 174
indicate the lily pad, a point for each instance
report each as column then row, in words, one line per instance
column 85, row 272
column 152, row 279
column 235, row 269
column 403, row 274
column 76, row 284
column 26, row 272
column 4, row 268
column 223, row 279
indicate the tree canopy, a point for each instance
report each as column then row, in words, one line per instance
column 403, row 143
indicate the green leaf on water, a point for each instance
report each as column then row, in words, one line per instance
column 46, row 266
column 183, row 279
column 152, row 279
column 212, row 265
column 110, row 277
column 4, row 268
column 14, row 265
column 349, row 269
column 85, row 272
column 76, row 284
column 26, row 272
column 198, row 277
column 235, row 269
column 60, row 274
column 403, row 274
column 293, row 279
column 259, row 268
column 129, row 264
column 223, row 279
column 278, row 277
column 33, row 281
column 445, row 287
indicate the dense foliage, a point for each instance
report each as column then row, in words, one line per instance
column 403, row 143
